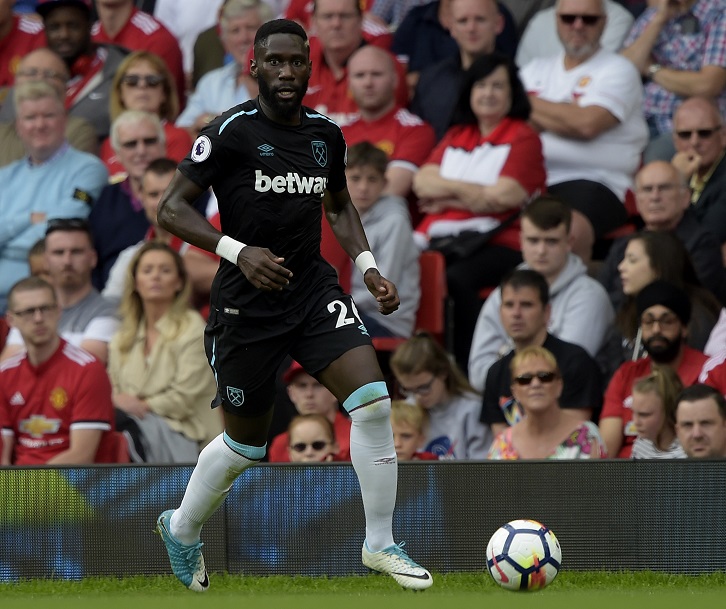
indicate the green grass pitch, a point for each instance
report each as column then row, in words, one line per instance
column 451, row 591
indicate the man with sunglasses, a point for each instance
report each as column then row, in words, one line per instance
column 525, row 312
column 587, row 104
column 664, row 311
column 55, row 398
column 699, row 137
column 679, row 48
column 118, row 219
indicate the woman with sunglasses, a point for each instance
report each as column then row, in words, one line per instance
column 143, row 82
column 545, row 431
column 427, row 375
column 312, row 440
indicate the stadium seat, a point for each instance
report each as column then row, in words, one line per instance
column 434, row 307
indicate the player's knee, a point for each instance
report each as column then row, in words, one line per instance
column 369, row 402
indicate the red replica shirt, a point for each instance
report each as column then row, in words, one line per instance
column 143, row 32
column 619, row 397
column 278, row 453
column 524, row 163
column 403, row 136
column 330, row 95
column 713, row 372
column 26, row 35
column 41, row 406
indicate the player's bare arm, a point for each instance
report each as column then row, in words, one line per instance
column 345, row 222
column 176, row 214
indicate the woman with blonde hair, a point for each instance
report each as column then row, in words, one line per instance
column 143, row 82
column 655, row 398
column 427, row 375
column 162, row 384
column 545, row 431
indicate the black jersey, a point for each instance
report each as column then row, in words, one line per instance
column 269, row 180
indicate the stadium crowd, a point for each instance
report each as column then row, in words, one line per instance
column 566, row 158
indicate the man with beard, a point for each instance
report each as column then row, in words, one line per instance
column 87, row 319
column 270, row 162
column 664, row 311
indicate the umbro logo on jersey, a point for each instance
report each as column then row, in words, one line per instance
column 292, row 183
column 266, row 150
column 17, row 399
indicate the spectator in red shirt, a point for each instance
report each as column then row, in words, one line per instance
column 18, row 36
column 403, row 136
column 55, row 399
column 338, row 25
column 310, row 397
column 121, row 23
column 664, row 312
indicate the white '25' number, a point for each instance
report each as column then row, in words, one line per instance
column 342, row 312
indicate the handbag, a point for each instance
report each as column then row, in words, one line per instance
column 468, row 242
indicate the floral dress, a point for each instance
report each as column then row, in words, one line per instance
column 584, row 442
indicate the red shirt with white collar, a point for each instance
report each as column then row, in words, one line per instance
column 329, row 94
column 40, row 405
column 142, row 32
column 26, row 35
column 406, row 139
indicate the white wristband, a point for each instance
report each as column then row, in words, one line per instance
column 365, row 261
column 229, row 249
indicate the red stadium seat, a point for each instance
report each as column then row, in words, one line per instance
column 433, row 309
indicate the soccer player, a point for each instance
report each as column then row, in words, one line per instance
column 271, row 161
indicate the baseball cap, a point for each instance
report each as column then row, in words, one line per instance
column 292, row 372
column 46, row 6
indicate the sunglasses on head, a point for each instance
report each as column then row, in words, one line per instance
column 150, row 80
column 702, row 133
column 586, row 19
column 300, row 447
column 543, row 376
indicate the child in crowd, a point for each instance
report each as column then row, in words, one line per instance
column 428, row 376
column 312, row 440
column 387, row 224
column 409, row 422
column 655, row 398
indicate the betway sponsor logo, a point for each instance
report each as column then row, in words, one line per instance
column 292, row 183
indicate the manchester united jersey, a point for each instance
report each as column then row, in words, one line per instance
column 40, row 405
column 269, row 180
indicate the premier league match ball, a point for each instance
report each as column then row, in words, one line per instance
column 523, row 555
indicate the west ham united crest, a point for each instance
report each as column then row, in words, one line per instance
column 236, row 396
column 320, row 152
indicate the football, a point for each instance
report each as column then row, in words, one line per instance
column 523, row 555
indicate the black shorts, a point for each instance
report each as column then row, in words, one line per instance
column 245, row 357
column 595, row 201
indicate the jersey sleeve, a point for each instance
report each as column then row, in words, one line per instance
column 211, row 152
column 93, row 408
column 416, row 146
column 525, row 162
column 336, row 180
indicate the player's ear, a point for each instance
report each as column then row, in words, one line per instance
column 253, row 68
